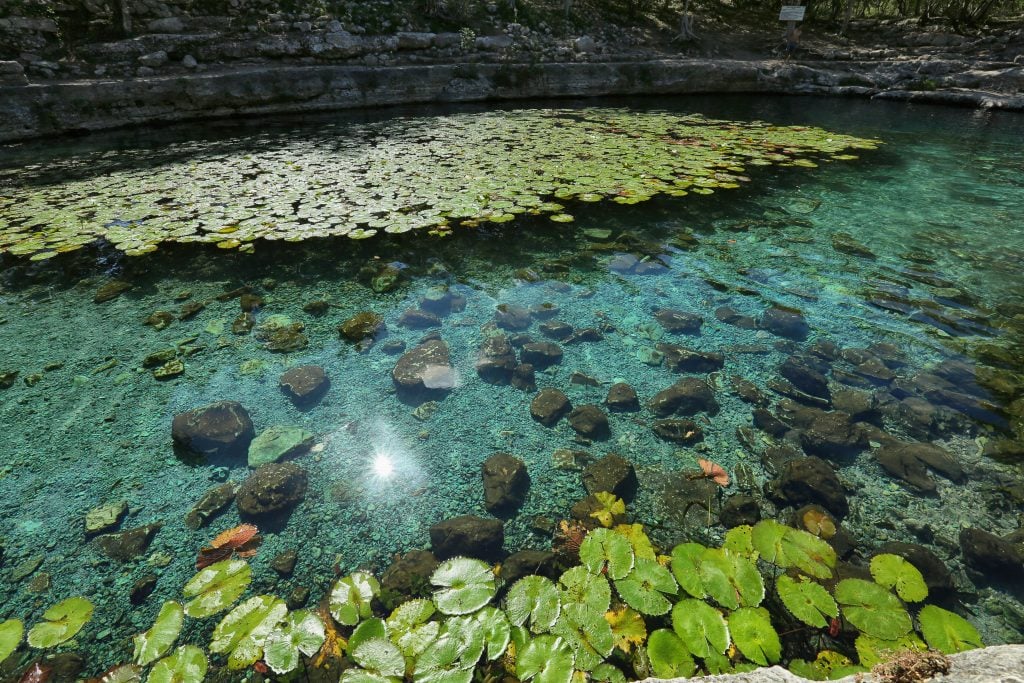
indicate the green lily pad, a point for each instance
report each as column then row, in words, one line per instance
column 872, row 609
column 580, row 587
column 243, row 631
column 892, row 571
column 463, row 585
column 533, row 599
column 948, row 632
column 302, row 632
column 669, row 656
column 11, row 632
column 646, row 587
column 545, row 659
column 157, row 641
column 187, row 664
column 807, row 601
column 351, row 596
column 61, row 623
column 214, row 588
column 604, row 551
column 701, row 627
column 754, row 635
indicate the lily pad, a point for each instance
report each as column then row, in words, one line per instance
column 872, row 609
column 187, row 664
column 463, row 585
column 351, row 596
column 892, row 571
column 157, row 641
column 214, row 588
column 533, row 599
column 604, row 551
column 243, row 631
column 545, row 659
column 301, row 633
column 61, row 622
column 11, row 632
column 646, row 587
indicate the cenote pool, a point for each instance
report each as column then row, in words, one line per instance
column 834, row 318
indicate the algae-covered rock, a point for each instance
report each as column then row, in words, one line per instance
column 105, row 517
column 159, row 320
column 110, row 291
column 212, row 502
column 169, row 370
column 272, row 488
column 277, row 443
column 221, row 429
column 128, row 544
column 361, row 326
column 280, row 334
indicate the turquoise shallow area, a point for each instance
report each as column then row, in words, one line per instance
column 939, row 205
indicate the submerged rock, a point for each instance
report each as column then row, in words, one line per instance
column 281, row 335
column 613, row 474
column 221, row 429
column 802, row 373
column 361, row 326
column 910, row 462
column 833, row 435
column 785, row 323
column 847, row 244
column 425, row 369
column 278, row 443
column 549, row 406
column 105, row 517
column 159, row 320
column 678, row 322
column 409, row 575
column 688, row 396
column 570, row 459
column 590, row 421
column 304, row 385
column 496, row 360
column 418, row 319
column 622, row 398
column 810, row 480
column 142, row 589
column 678, row 431
column 284, row 562
column 681, row 359
column 541, row 354
column 128, row 544
column 523, row 378
column 530, row 563
column 730, row 316
column 468, row 535
column 506, row 482
column 212, row 502
column 110, row 291
column 556, row 329
column 509, row 317
column 243, row 324
column 272, row 488
column 991, row 555
column 738, row 510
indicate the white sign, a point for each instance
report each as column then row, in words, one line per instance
column 792, row 13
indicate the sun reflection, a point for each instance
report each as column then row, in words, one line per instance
column 383, row 465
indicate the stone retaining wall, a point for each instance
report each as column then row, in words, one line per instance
column 48, row 109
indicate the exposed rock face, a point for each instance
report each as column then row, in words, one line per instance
column 688, row 396
column 613, row 474
column 305, row 385
column 220, row 429
column 810, row 480
column 590, row 422
column 128, row 544
column 424, row 369
column 468, row 535
column 622, row 398
column 271, row 489
column 549, row 406
column 505, row 483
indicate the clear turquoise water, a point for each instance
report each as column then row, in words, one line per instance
column 947, row 187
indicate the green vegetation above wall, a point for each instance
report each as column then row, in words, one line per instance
column 429, row 173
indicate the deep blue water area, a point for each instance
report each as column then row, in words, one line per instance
column 914, row 251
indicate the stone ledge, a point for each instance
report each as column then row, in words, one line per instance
column 40, row 110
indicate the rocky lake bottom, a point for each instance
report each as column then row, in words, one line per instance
column 845, row 341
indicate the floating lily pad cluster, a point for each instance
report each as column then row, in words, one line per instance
column 425, row 173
